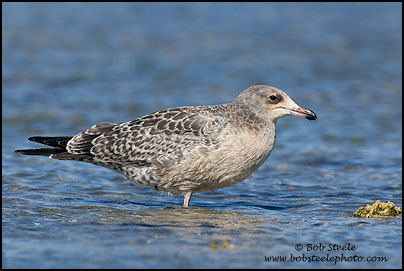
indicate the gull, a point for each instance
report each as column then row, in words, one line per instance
column 184, row 150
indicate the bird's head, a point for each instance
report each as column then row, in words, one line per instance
column 272, row 103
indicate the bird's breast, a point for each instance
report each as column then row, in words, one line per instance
column 234, row 158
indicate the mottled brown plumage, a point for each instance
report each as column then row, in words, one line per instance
column 184, row 150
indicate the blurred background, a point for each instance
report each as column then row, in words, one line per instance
column 67, row 66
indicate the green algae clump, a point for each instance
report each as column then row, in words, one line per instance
column 379, row 209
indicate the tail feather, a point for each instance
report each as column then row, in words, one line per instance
column 43, row 151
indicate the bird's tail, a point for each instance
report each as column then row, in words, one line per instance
column 58, row 143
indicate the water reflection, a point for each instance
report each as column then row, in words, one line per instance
column 179, row 217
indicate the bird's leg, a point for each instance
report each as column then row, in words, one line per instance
column 187, row 198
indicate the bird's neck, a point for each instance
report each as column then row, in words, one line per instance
column 244, row 117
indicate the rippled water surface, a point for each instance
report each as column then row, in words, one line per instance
column 69, row 66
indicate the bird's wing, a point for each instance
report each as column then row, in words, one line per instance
column 161, row 137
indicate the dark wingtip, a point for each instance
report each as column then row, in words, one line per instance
column 26, row 152
column 35, row 138
column 54, row 141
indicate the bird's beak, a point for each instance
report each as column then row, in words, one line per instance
column 302, row 112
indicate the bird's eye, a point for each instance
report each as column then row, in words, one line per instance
column 274, row 99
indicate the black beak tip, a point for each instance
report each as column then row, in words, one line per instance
column 311, row 116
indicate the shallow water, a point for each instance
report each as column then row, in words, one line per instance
column 69, row 66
